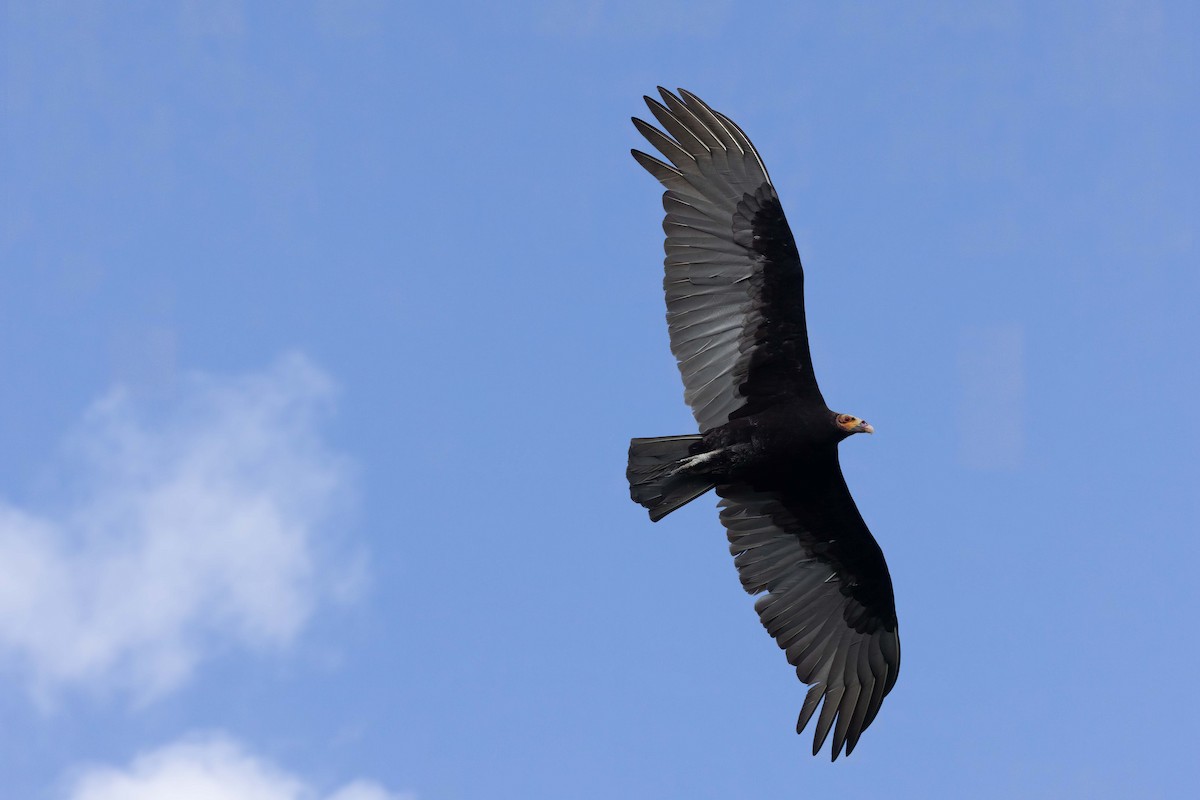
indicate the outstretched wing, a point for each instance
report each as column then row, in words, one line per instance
column 828, row 599
column 734, row 285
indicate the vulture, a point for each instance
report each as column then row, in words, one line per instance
column 767, row 441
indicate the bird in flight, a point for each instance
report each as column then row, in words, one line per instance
column 768, row 443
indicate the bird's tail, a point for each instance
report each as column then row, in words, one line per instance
column 663, row 473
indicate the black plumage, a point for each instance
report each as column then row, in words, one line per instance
column 767, row 440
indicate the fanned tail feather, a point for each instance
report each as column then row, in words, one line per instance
column 659, row 474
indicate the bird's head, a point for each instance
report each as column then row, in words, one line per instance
column 849, row 424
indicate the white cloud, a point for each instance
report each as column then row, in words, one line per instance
column 191, row 519
column 211, row 768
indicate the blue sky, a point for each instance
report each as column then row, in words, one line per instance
column 324, row 328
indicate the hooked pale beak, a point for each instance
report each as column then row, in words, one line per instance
column 864, row 427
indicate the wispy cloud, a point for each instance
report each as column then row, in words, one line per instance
column 179, row 522
column 209, row 768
